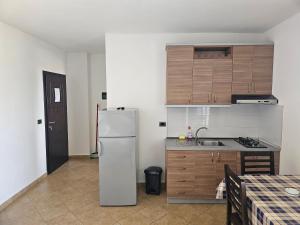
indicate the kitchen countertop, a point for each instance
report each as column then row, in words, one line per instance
column 230, row 145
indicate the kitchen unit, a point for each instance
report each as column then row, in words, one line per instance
column 211, row 74
column 193, row 172
column 117, row 157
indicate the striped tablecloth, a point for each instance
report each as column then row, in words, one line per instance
column 268, row 203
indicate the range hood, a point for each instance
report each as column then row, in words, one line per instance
column 254, row 99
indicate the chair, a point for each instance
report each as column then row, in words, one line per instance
column 236, row 199
column 257, row 163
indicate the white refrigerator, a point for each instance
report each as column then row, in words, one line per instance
column 117, row 157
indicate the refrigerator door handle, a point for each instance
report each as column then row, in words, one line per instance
column 101, row 149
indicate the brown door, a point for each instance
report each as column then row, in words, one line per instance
column 55, row 100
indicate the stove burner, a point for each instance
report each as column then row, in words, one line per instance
column 249, row 142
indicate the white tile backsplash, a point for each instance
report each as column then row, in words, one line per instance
column 233, row 121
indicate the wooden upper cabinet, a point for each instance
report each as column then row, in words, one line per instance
column 211, row 74
column 252, row 69
column 262, row 75
column 242, row 63
column 222, row 70
column 180, row 53
column 202, row 81
column 212, row 81
column 179, row 74
column 221, row 93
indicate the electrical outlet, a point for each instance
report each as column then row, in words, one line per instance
column 162, row 124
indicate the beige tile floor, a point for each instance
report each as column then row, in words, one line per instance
column 69, row 196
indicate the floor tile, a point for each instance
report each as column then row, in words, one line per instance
column 69, row 196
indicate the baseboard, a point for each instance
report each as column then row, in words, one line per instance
column 79, row 156
column 22, row 192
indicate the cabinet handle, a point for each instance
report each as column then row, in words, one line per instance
column 183, row 168
column 254, row 88
column 182, row 181
column 219, row 156
column 212, row 157
column 181, row 157
column 208, row 98
column 249, row 87
column 215, row 98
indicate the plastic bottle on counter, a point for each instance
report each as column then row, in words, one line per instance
column 189, row 134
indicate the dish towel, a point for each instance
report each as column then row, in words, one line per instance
column 221, row 190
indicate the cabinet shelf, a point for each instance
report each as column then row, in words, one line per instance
column 215, row 52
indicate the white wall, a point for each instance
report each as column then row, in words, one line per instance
column 97, row 84
column 135, row 73
column 78, row 103
column 22, row 141
column 286, row 87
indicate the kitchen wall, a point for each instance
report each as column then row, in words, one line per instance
column 97, row 84
column 22, row 140
column 234, row 121
column 78, row 103
column 135, row 71
column 286, row 77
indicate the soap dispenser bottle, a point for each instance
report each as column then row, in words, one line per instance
column 189, row 134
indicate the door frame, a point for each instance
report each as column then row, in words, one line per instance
column 46, row 116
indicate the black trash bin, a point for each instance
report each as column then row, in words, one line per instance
column 153, row 180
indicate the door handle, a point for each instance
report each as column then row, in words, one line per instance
column 101, row 149
column 51, row 122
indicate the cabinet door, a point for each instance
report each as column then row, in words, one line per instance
column 180, row 53
column 221, row 93
column 242, row 64
column 179, row 82
column 179, row 74
column 221, row 159
column 262, row 69
column 205, row 181
column 181, row 174
column 263, row 88
column 242, row 69
column 241, row 88
column 202, row 81
column 222, row 70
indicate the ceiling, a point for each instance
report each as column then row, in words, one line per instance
column 80, row 25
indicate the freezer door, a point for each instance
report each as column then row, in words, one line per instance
column 117, row 169
column 117, row 123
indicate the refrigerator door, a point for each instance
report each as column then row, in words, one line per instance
column 117, row 169
column 117, row 123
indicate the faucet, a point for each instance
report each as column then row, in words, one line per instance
column 196, row 134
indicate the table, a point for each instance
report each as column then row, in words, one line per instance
column 267, row 201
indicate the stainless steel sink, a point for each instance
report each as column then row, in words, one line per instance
column 210, row 143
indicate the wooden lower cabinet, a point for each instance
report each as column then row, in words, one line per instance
column 196, row 174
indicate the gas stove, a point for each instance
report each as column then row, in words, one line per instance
column 249, row 142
